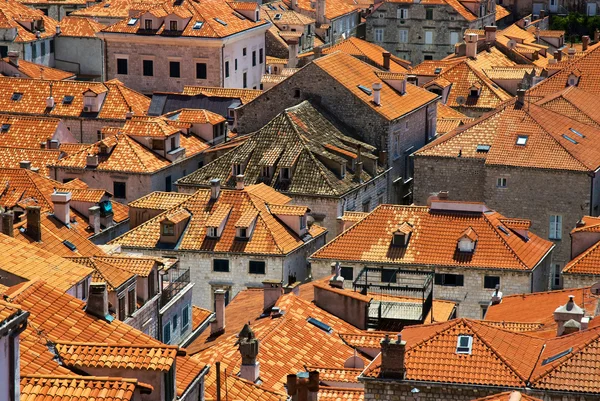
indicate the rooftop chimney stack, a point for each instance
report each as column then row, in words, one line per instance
column 34, row 223
column 542, row 14
column 97, row 303
column 25, row 164
column 521, row 97
column 596, row 36
column 490, row 34
column 392, row 358
column 62, row 206
column 585, row 42
column 58, row 29
column 218, row 325
column 471, row 42
column 215, row 188
column 13, row 57
column 249, row 347
column 8, row 221
column 572, row 52
column 318, row 52
column 94, row 218
column 337, row 281
column 377, row 93
column 272, row 290
column 303, row 386
column 568, row 317
column 386, row 60
column 558, row 55
column 239, row 182
column 292, row 53
column 320, row 11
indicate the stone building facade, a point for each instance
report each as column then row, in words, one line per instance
column 422, row 31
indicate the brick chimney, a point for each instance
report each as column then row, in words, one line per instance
column 62, row 206
column 13, row 58
column 377, row 93
column 585, row 42
column 471, row 42
column 239, row 182
column 97, row 303
column 8, row 220
column 392, row 358
column 303, row 386
column 34, row 223
column 249, row 347
column 272, row 290
column 386, row 60
column 94, row 218
column 215, row 188
column 521, row 97
column 218, row 325
column 558, row 55
column 563, row 315
column 490, row 34
column 320, row 11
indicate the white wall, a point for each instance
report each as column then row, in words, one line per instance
column 233, row 49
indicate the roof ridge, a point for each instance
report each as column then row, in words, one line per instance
column 116, row 345
column 260, row 215
column 580, row 257
column 495, row 230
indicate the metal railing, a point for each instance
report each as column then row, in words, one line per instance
column 174, row 287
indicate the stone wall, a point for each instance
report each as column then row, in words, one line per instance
column 83, row 56
column 579, row 280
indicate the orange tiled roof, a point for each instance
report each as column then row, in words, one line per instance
column 289, row 210
column 14, row 15
column 160, row 200
column 590, row 224
column 501, row 12
column 80, row 27
column 351, row 72
column 11, row 157
column 22, row 185
column 105, row 272
column 38, row 71
column 435, row 241
column 140, row 265
column 195, row 116
column 506, row 395
column 369, row 52
column 334, row 8
column 587, row 263
column 75, row 388
column 365, row 340
column 27, row 131
column 341, row 394
column 574, row 103
column 8, row 310
column 342, row 375
column 245, row 95
column 75, row 355
column 270, row 236
column 199, row 316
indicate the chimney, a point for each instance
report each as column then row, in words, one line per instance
column 249, row 347
column 392, row 357
column 585, row 42
column 62, row 206
column 542, row 14
column 294, row 5
column 514, row 396
column 50, row 102
column 402, row 88
column 272, row 290
column 239, row 181
column 558, row 55
column 521, row 97
column 443, row 195
column 58, row 29
column 568, row 317
column 596, row 36
column 572, row 52
column 471, row 42
column 292, row 53
column 303, row 386
column 215, row 188
column 320, row 11
column 13, row 58
column 53, row 144
column 34, row 223
column 496, row 296
column 318, row 52
column 358, row 171
column 91, row 161
column 386, row 60
column 94, row 218
column 377, row 93
column 129, row 114
column 97, row 303
column 337, row 281
column 25, row 164
column 218, row 325
column 490, row 34
column 8, row 220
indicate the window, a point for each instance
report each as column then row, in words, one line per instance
column 148, row 24
column 285, row 173
column 168, row 229
column 253, row 58
column 347, row 273
column 52, row 46
column 122, row 308
column 428, row 37
column 174, row 69
column 173, row 25
column 131, row 300
column 403, row 36
column 167, row 333
column 168, row 184
column 555, row 227
column 261, row 56
column 122, row 66
column 464, row 344
column 484, row 309
column 491, row 282
column 453, row 38
column 428, row 57
column 235, row 64
column 429, row 13
column 556, row 269
column 200, row 70
column 451, row 280
column 227, row 69
column 119, row 190
column 256, row 267
column 175, row 321
column 16, row 96
column 221, row 265
column 296, row 93
column 158, row 144
column 174, row 143
column 388, row 275
column 402, row 13
column 378, row 34
column 43, row 45
column 4, row 50
column 148, row 67
column 151, row 286
column 501, row 182
column 522, row 140
column 185, row 317
column 244, row 80
column 302, row 222
column 33, row 51
column 244, row 51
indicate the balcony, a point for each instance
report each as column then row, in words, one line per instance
column 173, row 287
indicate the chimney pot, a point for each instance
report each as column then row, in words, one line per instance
column 49, row 102
column 490, row 33
column 471, row 43
column 215, row 188
column 34, row 223
column 249, row 347
column 377, row 93
column 91, row 161
column 521, row 97
column 25, row 164
column 218, row 325
column 62, row 206
column 58, row 29
column 585, row 41
column 8, row 220
column 386, row 60
column 239, row 182
column 97, row 303
column 94, row 218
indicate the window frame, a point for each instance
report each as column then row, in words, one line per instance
column 555, row 232
column 464, row 349
column 220, row 261
column 491, row 280
column 148, row 64
column 122, row 65
column 185, row 318
column 116, row 193
column 501, row 182
column 131, row 301
column 166, row 338
column 201, row 71
column 255, row 262
column 172, row 64
column 441, row 279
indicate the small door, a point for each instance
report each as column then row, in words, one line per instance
column 553, row 6
column 168, row 184
column 591, row 9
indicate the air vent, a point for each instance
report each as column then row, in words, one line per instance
column 365, row 89
column 556, row 357
column 319, row 324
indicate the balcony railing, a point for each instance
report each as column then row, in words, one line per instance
column 174, row 287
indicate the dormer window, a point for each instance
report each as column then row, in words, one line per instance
column 148, row 24
column 285, row 173
column 103, row 149
column 168, row 229
column 266, row 171
column 573, row 80
column 212, row 232
column 242, row 233
column 464, row 344
column 402, row 235
column 475, row 90
column 237, row 169
column 158, row 144
column 173, row 25
column 467, row 241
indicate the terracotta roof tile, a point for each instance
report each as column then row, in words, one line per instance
column 28, row 69
column 341, row 394
column 368, row 52
column 506, row 395
column 113, row 276
column 79, row 27
column 14, row 15
column 11, row 157
column 199, row 316
column 342, row 375
column 140, row 265
column 75, row 388
column 195, row 116
column 334, row 9
column 245, row 95
column 159, row 200
column 501, row 12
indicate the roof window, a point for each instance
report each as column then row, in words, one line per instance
column 198, row 25
column 240, row 16
column 282, row 7
column 326, row 328
column 504, row 230
column 16, row 96
column 483, row 148
column 68, row 99
column 5, row 127
column 132, row 21
column 70, row 245
column 522, row 140
column 278, row 17
column 437, row 70
column 107, row 5
column 365, row 89
column 271, row 7
column 556, row 357
column 220, row 21
column 579, row 134
column 464, row 344
column 568, row 138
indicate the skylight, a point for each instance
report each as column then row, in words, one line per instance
column 464, row 344
column 504, row 230
column 16, row 96
column 556, row 357
column 132, row 21
column 282, row 7
column 5, row 127
column 278, row 17
column 220, row 21
column 68, row 99
column 320, row 324
column 365, row 89
column 271, row 7
column 522, row 140
column 483, row 148
column 198, row 25
column 240, row 16
column 568, row 138
column 438, row 70
column 579, row 134
column 70, row 245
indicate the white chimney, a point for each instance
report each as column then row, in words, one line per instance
column 239, row 182
column 377, row 93
column 62, row 206
column 58, row 29
column 215, row 188
column 218, row 324
column 94, row 218
column 320, row 11
column 91, row 161
column 471, row 42
column 49, row 102
column 572, row 52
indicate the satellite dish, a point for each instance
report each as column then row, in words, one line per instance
column 461, row 100
column 595, row 289
column 512, row 44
